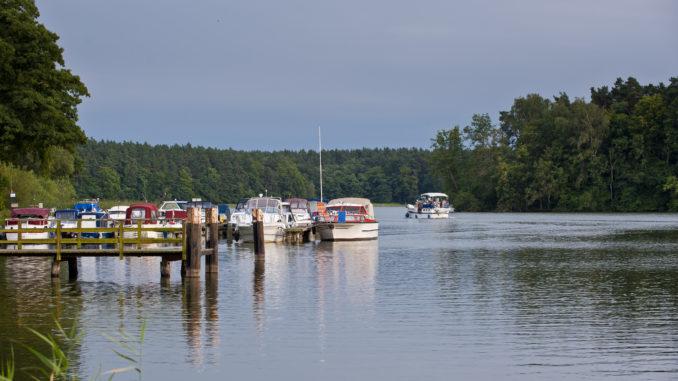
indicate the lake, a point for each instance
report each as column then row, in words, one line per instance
column 479, row 296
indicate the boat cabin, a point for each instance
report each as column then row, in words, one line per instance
column 145, row 212
column 87, row 206
column 348, row 213
column 37, row 216
column 66, row 214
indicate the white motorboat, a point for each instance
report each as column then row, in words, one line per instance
column 347, row 219
column 28, row 218
column 299, row 208
column 430, row 205
column 273, row 218
column 118, row 212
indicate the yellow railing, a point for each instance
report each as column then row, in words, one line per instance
column 56, row 231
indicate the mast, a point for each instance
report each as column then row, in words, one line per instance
column 320, row 152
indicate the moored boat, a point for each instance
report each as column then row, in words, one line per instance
column 148, row 215
column 347, row 219
column 299, row 208
column 28, row 218
column 273, row 218
column 430, row 205
column 118, row 212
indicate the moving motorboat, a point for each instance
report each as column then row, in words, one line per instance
column 430, row 205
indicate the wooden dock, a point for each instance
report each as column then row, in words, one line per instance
column 186, row 244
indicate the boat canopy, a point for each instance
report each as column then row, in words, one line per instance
column 355, row 200
column 142, row 211
column 433, row 194
column 266, row 204
column 29, row 213
column 173, row 205
column 297, row 203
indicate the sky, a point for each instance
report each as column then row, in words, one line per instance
column 263, row 75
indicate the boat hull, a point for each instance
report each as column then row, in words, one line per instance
column 347, row 231
column 427, row 215
column 272, row 233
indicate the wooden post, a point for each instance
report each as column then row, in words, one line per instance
column 56, row 267
column 229, row 232
column 193, row 243
column 258, row 233
column 164, row 268
column 212, row 234
column 72, row 268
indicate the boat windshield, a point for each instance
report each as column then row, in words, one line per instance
column 65, row 215
column 347, row 209
column 266, row 205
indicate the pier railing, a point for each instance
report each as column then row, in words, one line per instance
column 113, row 238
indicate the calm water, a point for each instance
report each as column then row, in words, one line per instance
column 479, row 296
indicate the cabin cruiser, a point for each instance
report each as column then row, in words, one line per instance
column 118, row 212
column 68, row 219
column 299, row 208
column 273, row 219
column 145, row 213
column 430, row 205
column 96, row 220
column 171, row 205
column 347, row 219
column 28, row 218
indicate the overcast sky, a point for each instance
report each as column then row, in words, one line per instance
column 385, row 73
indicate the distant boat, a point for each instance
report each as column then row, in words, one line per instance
column 347, row 219
column 430, row 205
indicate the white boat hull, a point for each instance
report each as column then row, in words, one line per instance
column 347, row 231
column 427, row 213
column 272, row 233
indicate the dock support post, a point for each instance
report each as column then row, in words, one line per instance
column 193, row 243
column 258, row 233
column 212, row 233
column 72, row 268
column 229, row 232
column 56, row 267
column 164, row 268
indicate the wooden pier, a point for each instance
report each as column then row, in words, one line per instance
column 188, row 247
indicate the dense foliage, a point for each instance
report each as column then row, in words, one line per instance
column 618, row 152
column 140, row 171
column 38, row 96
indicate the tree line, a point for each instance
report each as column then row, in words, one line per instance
column 617, row 152
column 127, row 170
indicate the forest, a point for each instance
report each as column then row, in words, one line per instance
column 618, row 152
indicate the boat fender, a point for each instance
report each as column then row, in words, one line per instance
column 416, row 216
column 407, row 215
column 429, row 216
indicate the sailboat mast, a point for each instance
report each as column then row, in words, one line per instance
column 320, row 152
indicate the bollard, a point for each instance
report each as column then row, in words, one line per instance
column 212, row 234
column 191, row 268
column 258, row 233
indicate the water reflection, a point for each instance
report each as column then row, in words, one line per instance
column 480, row 296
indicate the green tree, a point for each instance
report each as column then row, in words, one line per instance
column 38, row 95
